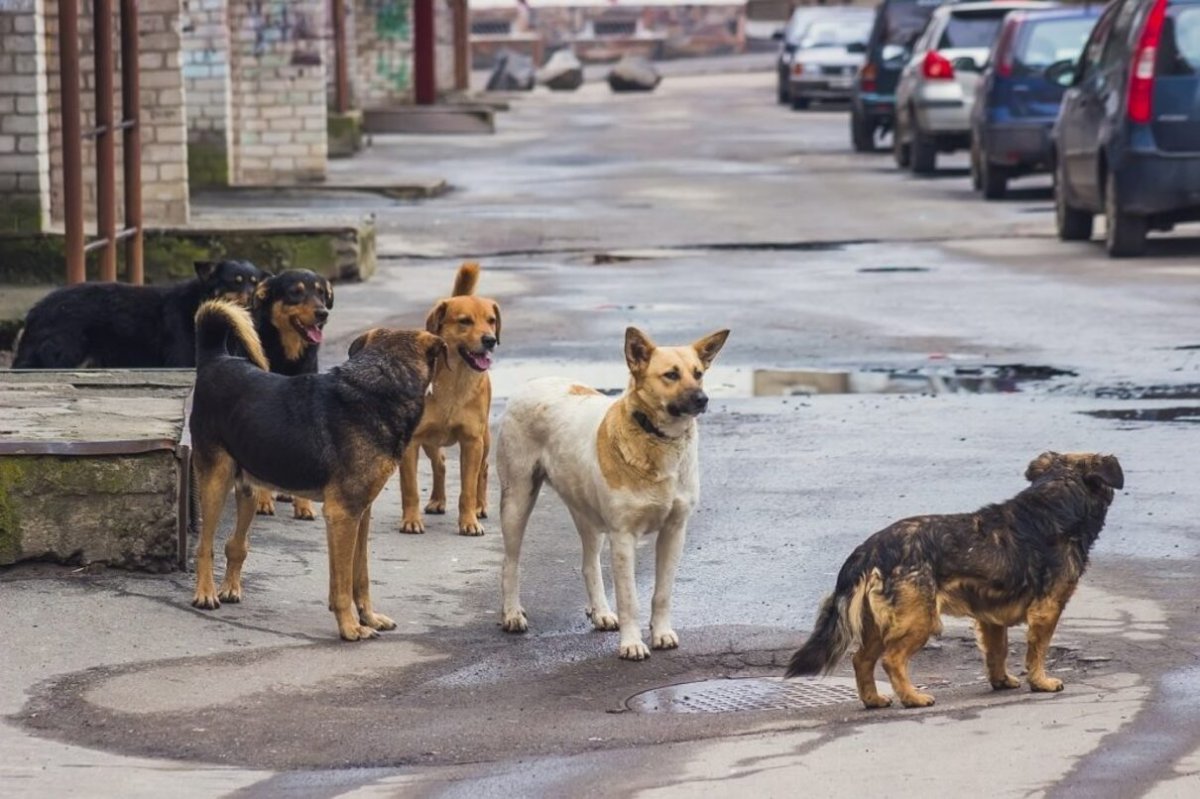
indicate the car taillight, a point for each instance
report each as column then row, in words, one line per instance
column 1005, row 51
column 1141, row 78
column 937, row 67
column 867, row 76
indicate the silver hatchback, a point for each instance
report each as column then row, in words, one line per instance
column 937, row 85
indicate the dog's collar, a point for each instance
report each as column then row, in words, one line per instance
column 644, row 422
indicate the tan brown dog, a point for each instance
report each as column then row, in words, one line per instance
column 456, row 411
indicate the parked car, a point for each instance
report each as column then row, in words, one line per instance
column 828, row 56
column 789, row 40
column 1016, row 103
column 1127, row 139
column 937, row 86
column 898, row 23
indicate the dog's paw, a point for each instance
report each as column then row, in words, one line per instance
column 206, row 600
column 1005, row 684
column 469, row 527
column 481, row 513
column 265, row 506
column 667, row 639
column 1048, row 685
column 437, row 507
column 303, row 509
column 412, row 527
column 515, row 621
column 376, row 621
column 917, row 699
column 230, row 593
column 875, row 702
column 634, row 650
column 357, row 632
column 605, row 621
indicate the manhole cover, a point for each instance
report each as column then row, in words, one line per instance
column 738, row 695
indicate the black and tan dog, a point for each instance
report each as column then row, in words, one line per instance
column 120, row 326
column 458, row 407
column 334, row 438
column 1006, row 564
column 290, row 311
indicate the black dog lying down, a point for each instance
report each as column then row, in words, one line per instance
column 1007, row 564
column 334, row 438
column 120, row 326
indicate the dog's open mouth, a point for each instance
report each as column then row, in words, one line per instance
column 312, row 333
column 479, row 361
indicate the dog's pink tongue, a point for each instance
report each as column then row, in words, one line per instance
column 482, row 360
column 314, row 334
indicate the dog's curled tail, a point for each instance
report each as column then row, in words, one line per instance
column 466, row 279
column 217, row 322
column 839, row 625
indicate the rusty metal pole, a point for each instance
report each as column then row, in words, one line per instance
column 131, row 145
column 105, row 135
column 341, row 72
column 72, row 138
column 462, row 45
column 424, row 52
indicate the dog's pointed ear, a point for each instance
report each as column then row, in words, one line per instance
column 1106, row 469
column 357, row 345
column 205, row 269
column 496, row 311
column 708, row 347
column 433, row 322
column 328, row 294
column 638, row 349
column 1040, row 465
column 436, row 350
column 262, row 292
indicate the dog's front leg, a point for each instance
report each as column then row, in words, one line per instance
column 993, row 640
column 666, row 561
column 624, row 547
column 1042, row 618
column 362, row 579
column 468, row 504
column 341, row 530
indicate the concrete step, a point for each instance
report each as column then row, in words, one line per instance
column 433, row 119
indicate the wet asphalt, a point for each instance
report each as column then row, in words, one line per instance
column 698, row 207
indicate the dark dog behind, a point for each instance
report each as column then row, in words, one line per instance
column 290, row 311
column 334, row 438
column 120, row 326
column 1006, row 564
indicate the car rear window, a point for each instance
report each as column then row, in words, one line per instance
column 904, row 21
column 1052, row 40
column 836, row 32
column 976, row 29
column 1179, row 49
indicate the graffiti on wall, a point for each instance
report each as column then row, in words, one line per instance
column 279, row 26
column 393, row 55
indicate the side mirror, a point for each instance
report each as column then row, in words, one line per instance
column 965, row 63
column 1062, row 73
column 856, row 47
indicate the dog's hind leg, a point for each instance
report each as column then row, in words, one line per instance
column 993, row 640
column 481, row 498
column 342, row 532
column 214, row 476
column 913, row 620
column 362, row 579
column 519, row 487
column 864, row 661
column 1042, row 617
column 238, row 545
column 593, row 579
column 667, row 551
column 437, row 462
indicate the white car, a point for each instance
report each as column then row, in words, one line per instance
column 937, row 85
column 828, row 55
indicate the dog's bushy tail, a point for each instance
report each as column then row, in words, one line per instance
column 222, row 325
column 466, row 279
column 839, row 625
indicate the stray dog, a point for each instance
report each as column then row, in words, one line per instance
column 120, row 326
column 626, row 468
column 290, row 311
column 456, row 411
column 1018, row 561
column 333, row 438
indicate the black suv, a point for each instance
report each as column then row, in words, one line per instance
column 1127, row 140
column 898, row 23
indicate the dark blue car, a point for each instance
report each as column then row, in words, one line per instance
column 1127, row 140
column 1017, row 102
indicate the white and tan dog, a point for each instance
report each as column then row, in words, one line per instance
column 624, row 468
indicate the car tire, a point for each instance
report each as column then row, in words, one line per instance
column 862, row 133
column 993, row 179
column 901, row 152
column 1124, row 234
column 976, row 178
column 799, row 103
column 1073, row 224
column 924, row 153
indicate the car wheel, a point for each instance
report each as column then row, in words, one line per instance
column 994, row 180
column 976, row 180
column 1072, row 223
column 862, row 133
column 900, row 149
column 1125, row 234
column 799, row 103
column 924, row 153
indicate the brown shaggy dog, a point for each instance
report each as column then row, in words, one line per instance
column 1007, row 564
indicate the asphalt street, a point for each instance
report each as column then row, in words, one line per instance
column 976, row 340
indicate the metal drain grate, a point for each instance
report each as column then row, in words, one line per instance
column 745, row 694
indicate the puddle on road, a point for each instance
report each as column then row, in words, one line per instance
column 871, row 270
column 1186, row 414
column 1162, row 392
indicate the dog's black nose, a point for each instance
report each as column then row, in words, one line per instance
column 489, row 341
column 322, row 314
column 700, row 402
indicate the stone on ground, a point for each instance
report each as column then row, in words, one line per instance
column 633, row 74
column 562, row 72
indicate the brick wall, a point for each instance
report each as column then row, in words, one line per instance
column 382, row 67
column 205, row 34
column 163, row 136
column 277, row 86
column 24, row 148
